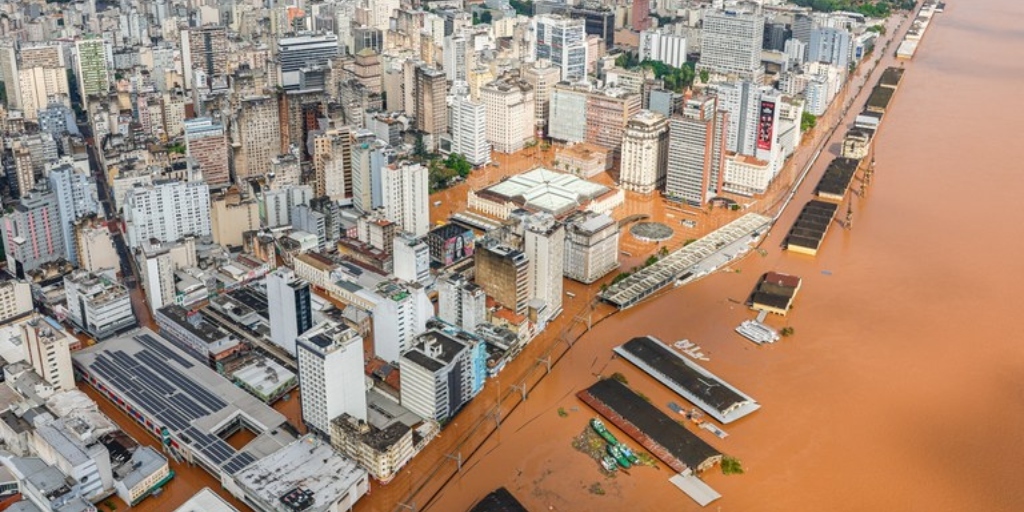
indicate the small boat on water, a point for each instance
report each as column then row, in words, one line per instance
column 602, row 431
column 620, row 458
column 609, row 464
column 633, row 459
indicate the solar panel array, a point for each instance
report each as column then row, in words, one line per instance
column 169, row 396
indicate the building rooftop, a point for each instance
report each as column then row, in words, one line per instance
column 194, row 323
column 434, row 350
column 264, row 376
column 190, row 400
column 288, row 477
column 499, row 500
column 206, row 501
column 545, row 190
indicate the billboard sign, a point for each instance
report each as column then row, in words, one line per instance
column 766, row 125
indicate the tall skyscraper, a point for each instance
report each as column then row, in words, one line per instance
column 831, row 46
column 259, row 132
column 368, row 162
column 406, row 194
column 696, row 149
column 544, row 245
column 504, row 273
column 542, row 76
column 204, row 49
column 331, row 375
column 469, row 131
column 440, row 374
column 510, row 111
column 76, row 198
column 38, row 86
column 92, row 67
column 206, row 142
column 332, row 163
column 460, row 302
column 9, row 72
column 748, row 133
column 290, row 308
column 399, row 317
column 731, row 44
column 48, row 349
column 644, row 153
column 431, row 106
column 563, row 41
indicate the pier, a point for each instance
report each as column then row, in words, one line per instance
column 689, row 380
column 808, row 232
column 647, row 281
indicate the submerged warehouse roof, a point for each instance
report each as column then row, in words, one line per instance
column 837, row 178
column 809, row 229
column 699, row 386
column 668, row 440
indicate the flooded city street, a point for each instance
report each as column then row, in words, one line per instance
column 901, row 387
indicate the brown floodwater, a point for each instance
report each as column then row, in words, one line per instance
column 903, row 386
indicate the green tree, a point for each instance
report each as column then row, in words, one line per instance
column 524, row 7
column 458, row 163
column 486, row 17
column 704, row 76
column 3, row 93
column 419, row 148
column 808, row 121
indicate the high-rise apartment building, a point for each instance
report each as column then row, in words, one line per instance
column 38, row 86
column 406, row 197
column 207, row 142
column 167, row 211
column 469, row 131
column 731, row 44
column 204, row 49
column 368, row 161
column 9, row 72
column 94, row 245
column 510, row 113
column 76, row 198
column 461, row 302
column 91, row 67
column 291, row 315
column 641, row 15
column 644, row 153
column 431, row 107
column 157, row 264
column 32, row 231
column 696, row 149
column 608, row 111
column 15, row 298
column 332, row 163
column 563, row 41
column 568, row 114
column 258, row 130
column 542, row 76
column 278, row 204
column 504, row 273
column 400, row 315
column 330, row 357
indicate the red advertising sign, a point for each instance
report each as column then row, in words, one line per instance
column 766, row 125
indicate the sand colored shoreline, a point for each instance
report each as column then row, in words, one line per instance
column 902, row 387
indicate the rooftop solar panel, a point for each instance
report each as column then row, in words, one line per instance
column 152, row 343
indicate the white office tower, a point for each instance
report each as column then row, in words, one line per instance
column 644, row 153
column 48, row 349
column 753, row 116
column 542, row 76
column 696, row 149
column 456, row 57
column 290, row 307
column 817, row 95
column 9, row 72
column 400, row 315
column 97, row 304
column 440, row 373
column 796, row 51
column 411, row 259
column 731, row 44
column 591, row 246
column 331, row 377
column 369, row 157
column 563, row 41
column 663, row 46
column 461, row 302
column 831, row 46
column 510, row 110
column 278, row 204
column 167, row 211
column 469, row 131
column 544, row 245
column 76, row 198
column 157, row 264
column 406, row 197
